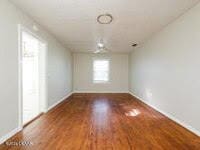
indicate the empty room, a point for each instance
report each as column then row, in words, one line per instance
column 100, row 74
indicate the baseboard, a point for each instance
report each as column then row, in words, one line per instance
column 185, row 125
column 62, row 99
column 9, row 135
column 100, row 92
column 13, row 132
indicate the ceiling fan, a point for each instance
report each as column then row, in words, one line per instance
column 101, row 48
column 103, row 19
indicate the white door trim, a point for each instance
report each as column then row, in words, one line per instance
column 21, row 29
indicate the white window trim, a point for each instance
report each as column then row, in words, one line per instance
column 100, row 82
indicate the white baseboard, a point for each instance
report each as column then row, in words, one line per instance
column 13, row 132
column 185, row 125
column 101, row 92
column 9, row 135
column 62, row 99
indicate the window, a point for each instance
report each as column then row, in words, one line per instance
column 100, row 71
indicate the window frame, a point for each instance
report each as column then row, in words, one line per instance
column 93, row 72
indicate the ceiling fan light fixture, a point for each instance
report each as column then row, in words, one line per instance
column 101, row 45
column 105, row 19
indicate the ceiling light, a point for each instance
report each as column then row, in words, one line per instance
column 100, row 45
column 105, row 19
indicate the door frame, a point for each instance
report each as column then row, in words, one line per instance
column 44, row 105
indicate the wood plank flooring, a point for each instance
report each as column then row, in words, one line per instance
column 104, row 122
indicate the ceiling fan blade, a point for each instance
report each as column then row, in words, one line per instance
column 101, row 50
column 97, row 51
column 104, row 51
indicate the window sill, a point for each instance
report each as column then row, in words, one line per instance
column 100, row 82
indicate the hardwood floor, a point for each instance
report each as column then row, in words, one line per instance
column 104, row 122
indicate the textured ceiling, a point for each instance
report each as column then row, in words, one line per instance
column 73, row 22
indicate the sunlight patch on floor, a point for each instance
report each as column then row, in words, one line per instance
column 133, row 113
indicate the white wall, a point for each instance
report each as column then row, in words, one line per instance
column 82, row 76
column 165, row 71
column 59, row 72
column 59, row 65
